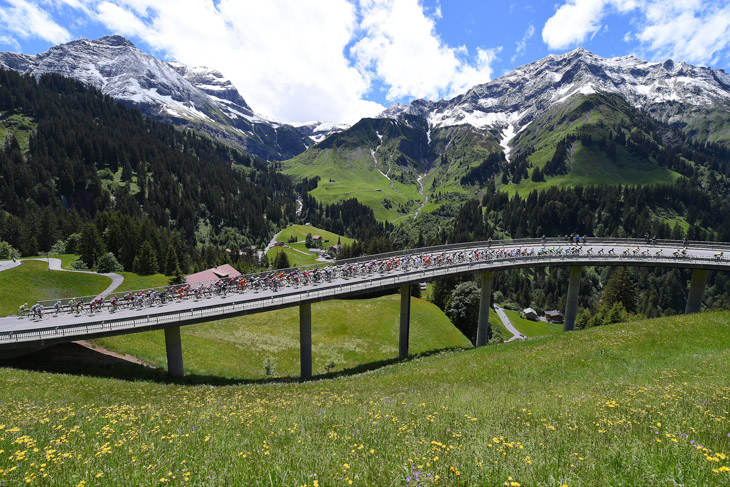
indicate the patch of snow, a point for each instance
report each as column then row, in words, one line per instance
column 507, row 135
column 477, row 119
column 587, row 89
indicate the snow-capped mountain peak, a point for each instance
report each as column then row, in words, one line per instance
column 198, row 97
column 664, row 90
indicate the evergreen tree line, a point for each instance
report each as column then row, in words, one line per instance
column 91, row 160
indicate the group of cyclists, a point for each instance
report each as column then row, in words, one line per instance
column 296, row 278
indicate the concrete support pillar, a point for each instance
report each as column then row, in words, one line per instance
column 305, row 340
column 696, row 290
column 571, row 304
column 173, row 345
column 405, row 320
column 484, row 304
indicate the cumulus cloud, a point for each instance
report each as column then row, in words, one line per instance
column 27, row 20
column 400, row 47
column 689, row 30
column 286, row 57
column 578, row 20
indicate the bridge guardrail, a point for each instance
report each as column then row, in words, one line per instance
column 496, row 244
column 326, row 290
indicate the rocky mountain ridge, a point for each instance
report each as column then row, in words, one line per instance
column 670, row 92
column 196, row 97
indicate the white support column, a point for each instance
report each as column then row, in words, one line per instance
column 405, row 320
column 484, row 304
column 571, row 303
column 696, row 291
column 305, row 340
column 173, row 346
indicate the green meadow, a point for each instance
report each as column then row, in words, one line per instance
column 32, row 281
column 345, row 334
column 640, row 403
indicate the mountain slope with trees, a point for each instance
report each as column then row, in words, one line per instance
column 100, row 169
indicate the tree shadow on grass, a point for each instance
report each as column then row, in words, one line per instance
column 76, row 359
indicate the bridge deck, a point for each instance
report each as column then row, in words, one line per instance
column 18, row 333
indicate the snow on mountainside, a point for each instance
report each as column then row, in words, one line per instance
column 667, row 91
column 318, row 131
column 218, row 88
column 114, row 66
column 195, row 97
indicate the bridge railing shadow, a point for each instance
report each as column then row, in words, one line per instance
column 76, row 359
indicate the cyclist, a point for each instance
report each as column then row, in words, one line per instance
column 22, row 309
column 57, row 306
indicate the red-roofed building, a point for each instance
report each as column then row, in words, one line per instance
column 220, row 272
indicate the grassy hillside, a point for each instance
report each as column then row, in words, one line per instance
column 299, row 254
column 17, row 125
column 533, row 328
column 347, row 333
column 642, row 403
column 301, row 231
column 599, row 116
column 32, row 281
column 352, row 174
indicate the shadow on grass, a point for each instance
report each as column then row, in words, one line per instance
column 76, row 359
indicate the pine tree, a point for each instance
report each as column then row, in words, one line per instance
column 282, row 260
column 146, row 261
column 620, row 288
column 91, row 246
column 171, row 263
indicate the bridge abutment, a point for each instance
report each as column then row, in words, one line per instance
column 173, row 346
column 696, row 291
column 305, row 340
column 405, row 320
column 571, row 303
column 485, row 302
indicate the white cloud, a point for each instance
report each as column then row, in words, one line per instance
column 293, row 60
column 401, row 48
column 27, row 20
column 522, row 43
column 10, row 41
column 689, row 30
column 692, row 31
column 573, row 22
column 286, row 57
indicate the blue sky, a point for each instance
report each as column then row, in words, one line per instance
column 340, row 60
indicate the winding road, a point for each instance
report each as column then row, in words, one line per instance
column 55, row 265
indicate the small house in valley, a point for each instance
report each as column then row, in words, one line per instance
column 554, row 316
column 529, row 314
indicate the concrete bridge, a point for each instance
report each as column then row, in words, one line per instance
column 18, row 336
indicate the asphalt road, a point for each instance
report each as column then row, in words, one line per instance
column 516, row 335
column 55, row 265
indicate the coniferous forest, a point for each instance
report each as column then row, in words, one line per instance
column 90, row 160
